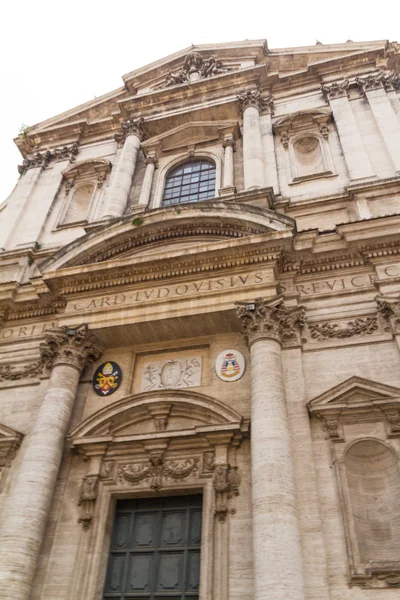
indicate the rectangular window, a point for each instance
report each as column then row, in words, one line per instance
column 155, row 549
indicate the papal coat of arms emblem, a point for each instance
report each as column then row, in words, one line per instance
column 230, row 365
column 107, row 379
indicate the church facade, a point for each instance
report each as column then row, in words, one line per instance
column 200, row 334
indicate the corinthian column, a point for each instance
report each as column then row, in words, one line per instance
column 228, row 186
column 117, row 197
column 30, row 499
column 253, row 157
column 151, row 165
column 278, row 567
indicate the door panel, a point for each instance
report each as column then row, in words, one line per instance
column 155, row 550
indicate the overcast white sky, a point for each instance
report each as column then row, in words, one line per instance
column 55, row 55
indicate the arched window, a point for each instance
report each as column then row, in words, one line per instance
column 191, row 182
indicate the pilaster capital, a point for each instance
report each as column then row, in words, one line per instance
column 389, row 307
column 73, row 346
column 270, row 319
column 42, row 159
column 253, row 98
column 386, row 80
column 336, row 89
column 131, row 127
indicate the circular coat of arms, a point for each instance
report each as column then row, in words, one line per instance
column 107, row 378
column 230, row 365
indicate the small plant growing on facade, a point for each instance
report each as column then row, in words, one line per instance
column 137, row 221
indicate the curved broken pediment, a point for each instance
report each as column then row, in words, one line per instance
column 198, row 221
column 166, row 410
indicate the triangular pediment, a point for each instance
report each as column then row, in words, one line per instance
column 354, row 392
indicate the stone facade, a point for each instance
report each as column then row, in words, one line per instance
column 245, row 346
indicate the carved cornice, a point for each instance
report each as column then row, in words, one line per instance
column 42, row 159
column 270, row 319
column 131, row 127
column 253, row 98
column 73, row 346
column 389, row 308
column 336, row 89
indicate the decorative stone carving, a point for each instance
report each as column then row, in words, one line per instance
column 131, row 127
column 331, row 426
column 386, row 80
column 74, row 346
column 157, row 471
column 151, row 159
column 253, row 98
column 229, row 141
column 38, row 160
column 10, row 441
column 226, row 483
column 174, row 373
column 389, row 308
column 271, row 319
column 324, row 130
column 393, row 419
column 285, row 140
column 13, row 373
column 354, row 328
column 107, row 468
column 42, row 159
column 87, row 498
column 194, row 67
column 336, row 89
column 208, row 461
column 160, row 415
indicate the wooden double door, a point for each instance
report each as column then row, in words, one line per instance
column 155, row 549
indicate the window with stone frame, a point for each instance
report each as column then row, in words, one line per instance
column 82, row 188
column 361, row 418
column 192, row 181
column 305, row 139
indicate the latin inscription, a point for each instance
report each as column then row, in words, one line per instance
column 193, row 288
column 25, row 331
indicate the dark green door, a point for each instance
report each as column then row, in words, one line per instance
column 155, row 550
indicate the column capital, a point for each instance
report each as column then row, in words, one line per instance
column 229, row 140
column 151, row 159
column 336, row 89
column 270, row 319
column 383, row 80
column 73, row 346
column 389, row 307
column 130, row 127
column 253, row 98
